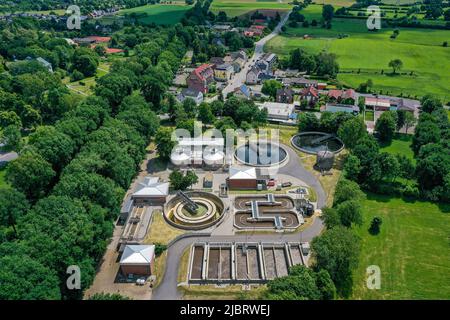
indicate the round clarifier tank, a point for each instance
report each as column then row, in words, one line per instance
column 313, row 142
column 262, row 154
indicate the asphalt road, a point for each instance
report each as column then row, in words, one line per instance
column 7, row 157
column 239, row 78
column 167, row 290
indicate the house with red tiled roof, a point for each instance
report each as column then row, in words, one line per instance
column 113, row 50
column 348, row 96
column 201, row 78
column 310, row 94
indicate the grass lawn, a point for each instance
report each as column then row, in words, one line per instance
column 401, row 144
column 363, row 54
column 160, row 268
column 411, row 250
column 369, row 116
column 160, row 231
column 3, row 183
column 85, row 86
column 229, row 292
column 159, row 13
column 235, row 8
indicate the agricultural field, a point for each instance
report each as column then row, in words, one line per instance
column 411, row 250
column 364, row 55
column 235, row 8
column 159, row 13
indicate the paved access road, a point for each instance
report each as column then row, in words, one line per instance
column 239, row 78
column 167, row 290
column 7, row 157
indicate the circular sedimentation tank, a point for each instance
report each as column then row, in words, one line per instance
column 210, row 211
column 261, row 154
column 314, row 142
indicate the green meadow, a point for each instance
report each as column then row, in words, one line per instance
column 401, row 144
column 411, row 250
column 235, row 8
column 364, row 55
column 159, row 13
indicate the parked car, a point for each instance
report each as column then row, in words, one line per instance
column 286, row 184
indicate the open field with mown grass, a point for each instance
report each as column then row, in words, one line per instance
column 160, row 231
column 401, row 144
column 159, row 13
column 235, row 8
column 411, row 250
column 365, row 55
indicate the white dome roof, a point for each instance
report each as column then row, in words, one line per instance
column 180, row 157
column 213, row 157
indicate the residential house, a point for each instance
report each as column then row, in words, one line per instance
column 193, row 94
column 239, row 54
column 285, row 95
column 270, row 59
column 348, row 96
column 92, row 40
column 242, row 92
column 215, row 61
column 378, row 104
column 223, row 72
column 300, row 82
column 253, row 76
column 310, row 94
column 201, row 78
column 236, row 66
column 386, row 103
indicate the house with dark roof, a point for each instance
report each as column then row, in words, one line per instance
column 201, row 78
column 253, row 76
column 300, row 82
column 242, row 92
column 239, row 54
column 270, row 59
column 215, row 61
column 285, row 95
column 193, row 94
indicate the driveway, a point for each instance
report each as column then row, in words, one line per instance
column 239, row 78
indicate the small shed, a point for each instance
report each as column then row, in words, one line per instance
column 208, row 180
column 138, row 260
